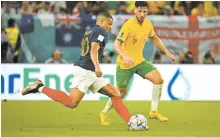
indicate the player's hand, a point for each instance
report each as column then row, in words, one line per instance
column 128, row 61
column 172, row 58
column 98, row 72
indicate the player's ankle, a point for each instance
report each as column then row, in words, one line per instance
column 105, row 112
column 40, row 87
column 153, row 110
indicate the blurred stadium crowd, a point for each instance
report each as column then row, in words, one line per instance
column 10, row 47
column 194, row 8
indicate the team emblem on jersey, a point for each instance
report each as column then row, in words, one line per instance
column 101, row 38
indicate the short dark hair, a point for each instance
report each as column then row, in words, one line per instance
column 105, row 14
column 141, row 4
column 11, row 22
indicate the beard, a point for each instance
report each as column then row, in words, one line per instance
column 140, row 20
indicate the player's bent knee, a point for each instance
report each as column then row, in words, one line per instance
column 116, row 94
column 123, row 92
column 111, row 91
column 158, row 81
column 74, row 105
column 122, row 95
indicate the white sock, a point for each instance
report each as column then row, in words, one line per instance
column 108, row 106
column 156, row 94
column 41, row 89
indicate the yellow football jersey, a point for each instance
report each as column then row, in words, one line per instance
column 133, row 37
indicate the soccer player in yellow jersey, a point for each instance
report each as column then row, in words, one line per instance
column 129, row 45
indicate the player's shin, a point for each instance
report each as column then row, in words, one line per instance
column 156, row 94
column 108, row 106
column 58, row 96
column 120, row 108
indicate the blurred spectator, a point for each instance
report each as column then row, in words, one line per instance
column 188, row 5
column 198, row 11
column 209, row 58
column 45, row 9
column 180, row 10
column 131, row 6
column 217, row 5
column 108, row 58
column 89, row 7
column 158, row 7
column 3, row 36
column 56, row 58
column 36, row 6
column 52, row 9
column 13, row 37
column 166, row 11
column 162, row 4
column 100, row 6
column 9, row 7
column 4, row 46
column 164, row 8
column 210, row 9
column 95, row 7
column 188, row 58
column 78, row 8
column 152, row 8
column 157, row 59
column 205, row 9
column 58, row 7
column 122, row 8
column 14, row 6
column 6, row 49
column 26, row 9
column 112, row 6
column 181, row 58
column 71, row 5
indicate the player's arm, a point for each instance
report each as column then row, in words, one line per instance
column 156, row 40
column 98, row 37
column 122, row 36
column 94, row 54
column 118, row 49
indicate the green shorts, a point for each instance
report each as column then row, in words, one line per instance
column 123, row 76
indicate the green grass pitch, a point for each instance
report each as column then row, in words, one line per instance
column 49, row 118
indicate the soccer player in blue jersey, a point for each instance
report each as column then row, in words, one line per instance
column 87, row 72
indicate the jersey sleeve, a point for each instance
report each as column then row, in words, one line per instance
column 124, row 32
column 152, row 33
column 98, row 36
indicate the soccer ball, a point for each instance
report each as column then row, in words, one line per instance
column 138, row 122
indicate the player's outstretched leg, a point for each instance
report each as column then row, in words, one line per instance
column 71, row 101
column 104, row 114
column 117, row 102
column 157, row 80
column 123, row 76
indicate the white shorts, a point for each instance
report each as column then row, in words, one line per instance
column 86, row 79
